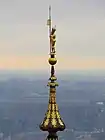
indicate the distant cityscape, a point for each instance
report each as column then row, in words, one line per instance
column 23, row 103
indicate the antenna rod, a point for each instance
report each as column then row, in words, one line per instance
column 49, row 24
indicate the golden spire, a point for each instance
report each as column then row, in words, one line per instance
column 52, row 121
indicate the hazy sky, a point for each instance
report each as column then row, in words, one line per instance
column 80, row 33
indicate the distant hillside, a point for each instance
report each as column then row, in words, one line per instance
column 28, row 87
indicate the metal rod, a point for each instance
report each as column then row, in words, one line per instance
column 50, row 26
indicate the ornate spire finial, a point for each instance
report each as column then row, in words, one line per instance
column 52, row 121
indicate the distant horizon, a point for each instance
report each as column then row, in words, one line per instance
column 58, row 71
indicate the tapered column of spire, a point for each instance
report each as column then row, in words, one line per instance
column 52, row 121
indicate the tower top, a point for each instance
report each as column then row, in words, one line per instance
column 52, row 121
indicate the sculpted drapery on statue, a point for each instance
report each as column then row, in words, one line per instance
column 52, row 121
column 53, row 39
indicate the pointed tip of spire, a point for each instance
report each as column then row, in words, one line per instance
column 50, row 7
column 50, row 14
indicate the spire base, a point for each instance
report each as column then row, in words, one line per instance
column 52, row 136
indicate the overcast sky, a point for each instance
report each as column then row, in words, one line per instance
column 80, row 33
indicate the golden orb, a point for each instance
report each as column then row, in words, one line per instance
column 52, row 61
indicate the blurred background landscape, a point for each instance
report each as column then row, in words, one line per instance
column 24, row 98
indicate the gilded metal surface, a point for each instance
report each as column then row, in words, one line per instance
column 52, row 118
